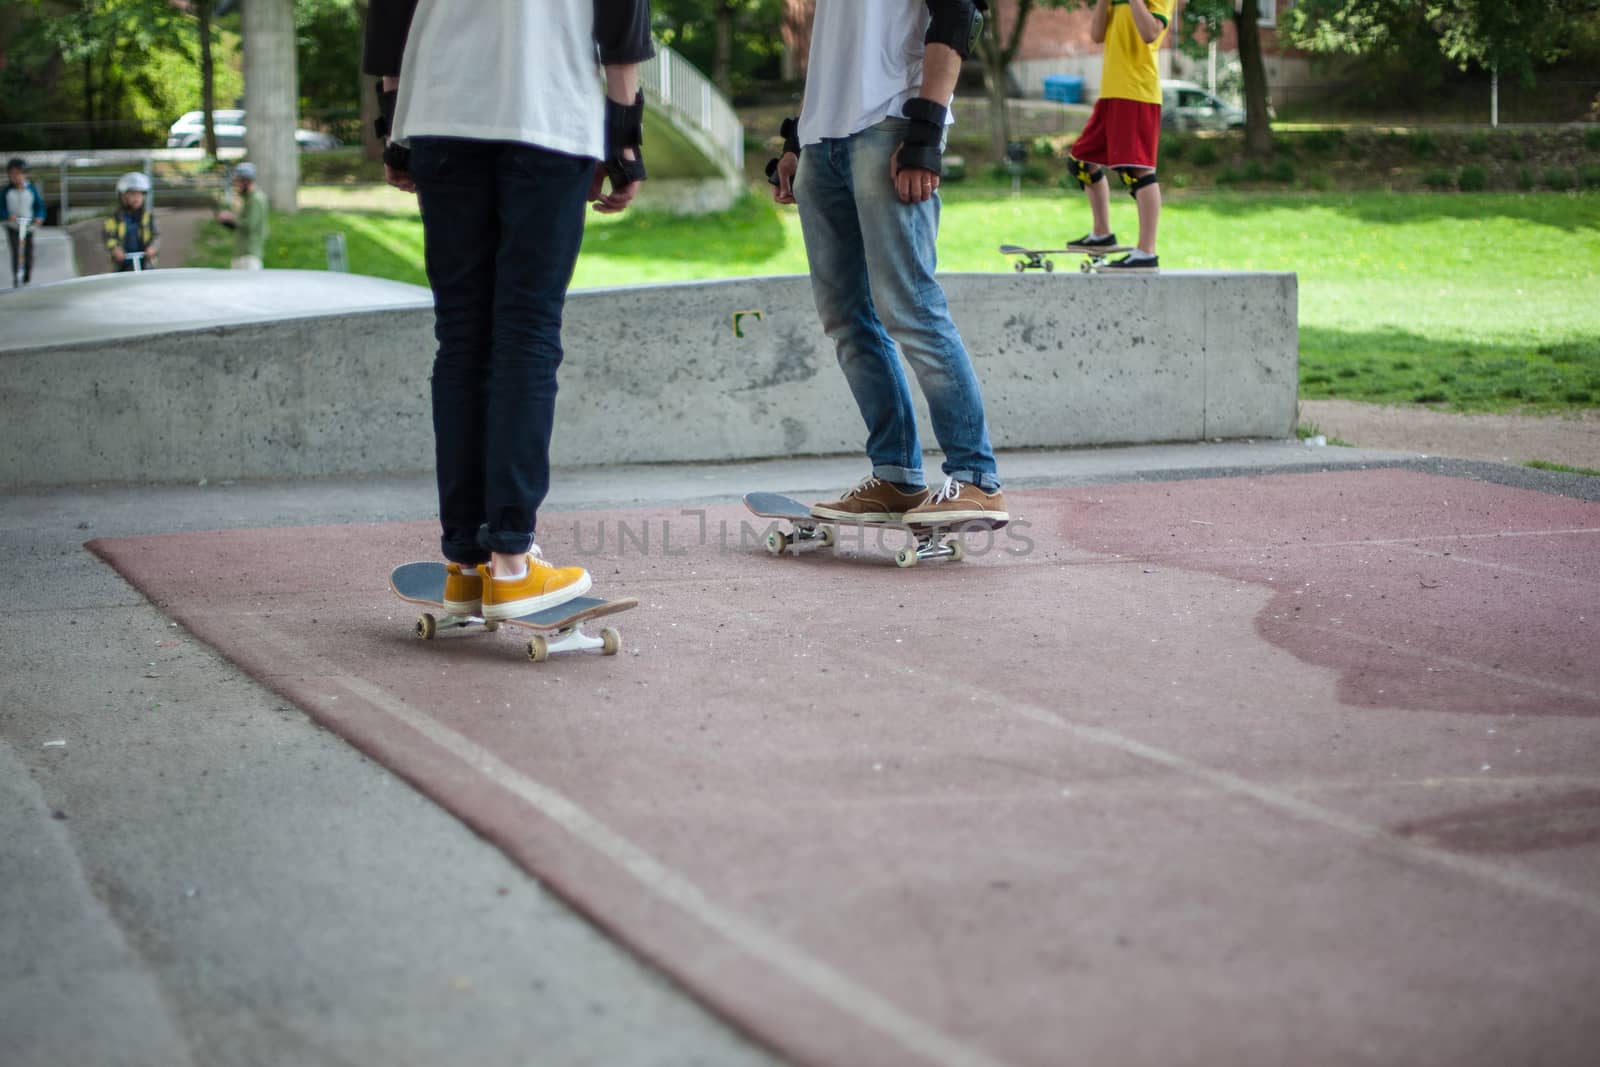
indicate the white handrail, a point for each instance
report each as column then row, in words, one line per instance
column 675, row 84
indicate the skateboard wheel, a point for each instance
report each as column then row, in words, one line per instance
column 906, row 557
column 490, row 625
column 777, row 542
column 1086, row 266
column 610, row 642
column 427, row 626
column 827, row 536
column 1049, row 266
column 538, row 648
column 1020, row 266
column 958, row 550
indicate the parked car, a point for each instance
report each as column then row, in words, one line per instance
column 190, row 131
column 1186, row 106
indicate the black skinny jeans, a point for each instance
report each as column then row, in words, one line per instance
column 502, row 223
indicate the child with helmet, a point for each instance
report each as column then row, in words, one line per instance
column 130, row 232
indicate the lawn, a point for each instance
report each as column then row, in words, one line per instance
column 1477, row 302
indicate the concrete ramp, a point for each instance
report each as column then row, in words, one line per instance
column 104, row 310
column 182, row 375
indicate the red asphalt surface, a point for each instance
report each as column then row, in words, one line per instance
column 1297, row 768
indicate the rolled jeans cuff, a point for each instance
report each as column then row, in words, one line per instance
column 985, row 480
column 911, row 476
column 511, row 544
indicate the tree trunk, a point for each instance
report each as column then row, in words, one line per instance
column 208, row 77
column 1257, row 123
column 271, row 99
column 88, row 101
column 722, row 61
column 371, row 145
column 994, row 85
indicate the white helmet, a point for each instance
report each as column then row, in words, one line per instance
column 133, row 182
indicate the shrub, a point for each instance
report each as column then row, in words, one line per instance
column 1525, row 179
column 1472, row 179
column 1559, row 178
column 1179, row 180
column 1422, row 145
column 1255, row 171
column 1042, row 146
column 1319, row 181
column 1591, row 138
column 1172, row 148
column 1323, row 142
column 1283, row 171
column 1229, row 176
column 1589, row 177
column 1439, row 178
column 1205, row 154
column 1478, row 143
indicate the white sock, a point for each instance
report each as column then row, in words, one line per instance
column 1139, row 253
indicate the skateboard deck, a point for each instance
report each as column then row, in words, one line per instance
column 557, row 629
column 1034, row 258
column 929, row 542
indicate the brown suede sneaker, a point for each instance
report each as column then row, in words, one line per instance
column 960, row 502
column 871, row 501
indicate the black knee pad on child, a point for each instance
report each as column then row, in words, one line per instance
column 1086, row 173
column 1135, row 184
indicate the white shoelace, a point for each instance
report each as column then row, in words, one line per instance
column 866, row 483
column 948, row 491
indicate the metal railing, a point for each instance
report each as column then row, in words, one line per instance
column 673, row 83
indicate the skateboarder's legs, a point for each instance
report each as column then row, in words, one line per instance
column 872, row 269
column 502, row 225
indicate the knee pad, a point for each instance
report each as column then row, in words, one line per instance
column 1135, row 184
column 1086, row 173
column 956, row 23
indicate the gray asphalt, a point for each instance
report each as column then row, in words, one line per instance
column 193, row 872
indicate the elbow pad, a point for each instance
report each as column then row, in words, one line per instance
column 956, row 24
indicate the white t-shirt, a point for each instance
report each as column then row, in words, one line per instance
column 866, row 62
column 504, row 71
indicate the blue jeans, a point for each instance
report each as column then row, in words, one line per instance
column 872, row 275
column 502, row 224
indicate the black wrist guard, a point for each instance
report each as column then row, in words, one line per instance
column 387, row 99
column 790, row 132
column 624, row 129
column 924, row 144
column 397, row 156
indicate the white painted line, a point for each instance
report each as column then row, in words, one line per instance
column 854, row 1000
column 1289, row 804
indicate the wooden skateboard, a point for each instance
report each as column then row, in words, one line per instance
column 557, row 629
column 929, row 542
column 1034, row 258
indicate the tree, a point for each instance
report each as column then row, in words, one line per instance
column 1508, row 37
column 270, row 98
column 1203, row 21
column 744, row 41
column 997, row 47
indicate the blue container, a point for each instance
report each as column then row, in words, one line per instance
column 1065, row 88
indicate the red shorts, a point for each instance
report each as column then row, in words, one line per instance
column 1121, row 133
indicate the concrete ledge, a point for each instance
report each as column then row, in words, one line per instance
column 706, row 371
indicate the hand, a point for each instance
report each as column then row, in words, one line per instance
column 227, row 218
column 913, row 185
column 618, row 199
column 400, row 179
column 783, row 191
column 117, row 255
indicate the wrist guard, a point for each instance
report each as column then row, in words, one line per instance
column 790, row 132
column 397, row 155
column 387, row 100
column 624, row 129
column 923, row 148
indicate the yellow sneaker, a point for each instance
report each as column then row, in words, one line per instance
column 544, row 586
column 463, row 590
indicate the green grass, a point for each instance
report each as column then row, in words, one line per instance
column 1546, row 465
column 1469, row 301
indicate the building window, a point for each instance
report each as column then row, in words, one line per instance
column 1268, row 11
